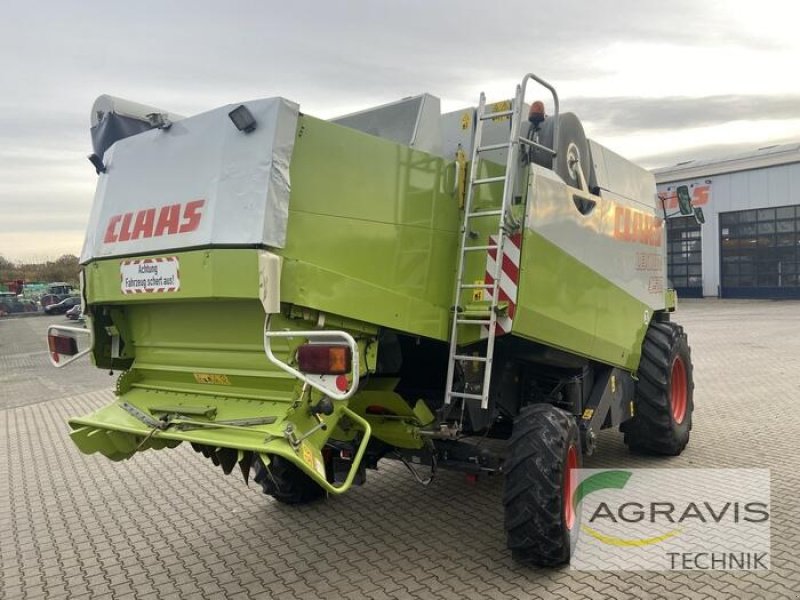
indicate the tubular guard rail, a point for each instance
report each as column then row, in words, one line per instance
column 320, row 335
column 59, row 363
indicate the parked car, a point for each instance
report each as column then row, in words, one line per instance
column 62, row 307
column 11, row 303
column 74, row 313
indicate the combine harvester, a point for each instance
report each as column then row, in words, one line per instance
column 302, row 298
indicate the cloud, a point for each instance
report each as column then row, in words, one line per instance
column 333, row 58
column 628, row 114
column 705, row 152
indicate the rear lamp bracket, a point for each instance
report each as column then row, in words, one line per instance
column 62, row 344
column 323, row 383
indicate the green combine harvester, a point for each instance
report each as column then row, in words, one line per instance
column 299, row 299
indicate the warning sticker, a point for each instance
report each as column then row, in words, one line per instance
column 308, row 456
column 150, row 275
column 313, row 460
column 212, row 378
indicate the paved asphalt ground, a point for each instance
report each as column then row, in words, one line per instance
column 171, row 525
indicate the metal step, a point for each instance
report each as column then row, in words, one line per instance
column 466, row 395
column 473, row 321
column 482, row 359
column 489, row 180
column 477, row 286
column 496, row 115
column 491, row 147
column 484, row 248
column 484, row 213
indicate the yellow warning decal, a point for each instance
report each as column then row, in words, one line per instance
column 211, row 379
column 587, row 414
column 466, row 120
column 499, row 107
column 308, row 456
column 477, row 293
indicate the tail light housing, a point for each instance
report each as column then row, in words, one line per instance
column 324, row 359
column 61, row 344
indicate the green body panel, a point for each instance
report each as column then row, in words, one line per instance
column 204, row 275
column 566, row 305
column 372, row 231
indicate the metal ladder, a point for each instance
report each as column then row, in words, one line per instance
column 505, row 227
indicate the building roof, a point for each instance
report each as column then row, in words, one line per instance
column 768, row 156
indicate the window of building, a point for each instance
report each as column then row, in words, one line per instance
column 760, row 251
column 684, row 255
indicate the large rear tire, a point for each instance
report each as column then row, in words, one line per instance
column 540, row 474
column 285, row 482
column 664, row 393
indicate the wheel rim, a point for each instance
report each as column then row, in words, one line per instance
column 569, row 485
column 678, row 394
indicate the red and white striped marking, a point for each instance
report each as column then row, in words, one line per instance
column 509, row 279
column 150, row 275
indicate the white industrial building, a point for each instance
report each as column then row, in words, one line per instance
column 749, row 245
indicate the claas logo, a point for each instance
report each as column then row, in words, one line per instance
column 631, row 225
column 154, row 222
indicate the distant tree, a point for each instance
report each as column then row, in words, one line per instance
column 8, row 270
column 6, row 266
column 65, row 268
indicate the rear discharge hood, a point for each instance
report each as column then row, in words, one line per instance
column 199, row 183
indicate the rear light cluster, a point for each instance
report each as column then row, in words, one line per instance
column 324, row 359
column 61, row 345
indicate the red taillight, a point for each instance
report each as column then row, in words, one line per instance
column 324, row 359
column 60, row 344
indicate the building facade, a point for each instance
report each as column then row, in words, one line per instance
column 749, row 245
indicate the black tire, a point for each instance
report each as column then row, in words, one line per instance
column 540, row 528
column 285, row 482
column 662, row 420
column 571, row 143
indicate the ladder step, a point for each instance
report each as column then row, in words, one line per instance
column 476, row 248
column 489, row 180
column 485, row 213
column 495, row 115
column 474, row 321
column 490, row 147
column 466, row 395
column 482, row 359
column 477, row 286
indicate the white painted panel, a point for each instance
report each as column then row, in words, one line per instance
column 605, row 239
column 200, row 183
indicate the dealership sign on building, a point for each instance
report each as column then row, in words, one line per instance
column 700, row 189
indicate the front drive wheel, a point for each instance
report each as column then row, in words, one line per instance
column 664, row 393
column 540, row 477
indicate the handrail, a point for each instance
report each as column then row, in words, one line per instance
column 314, row 334
column 543, row 83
